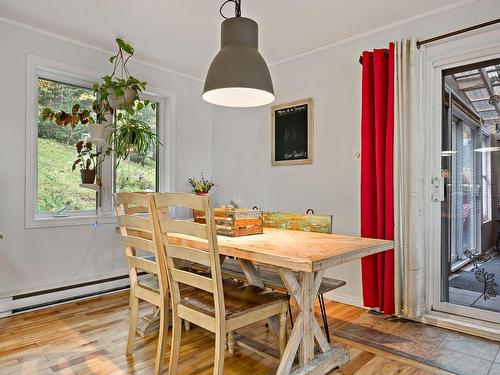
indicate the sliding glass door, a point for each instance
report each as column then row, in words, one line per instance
column 470, row 171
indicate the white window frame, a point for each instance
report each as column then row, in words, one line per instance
column 40, row 67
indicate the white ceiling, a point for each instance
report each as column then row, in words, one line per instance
column 183, row 35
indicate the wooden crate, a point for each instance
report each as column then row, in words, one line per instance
column 235, row 222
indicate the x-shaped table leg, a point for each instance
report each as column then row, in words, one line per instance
column 306, row 328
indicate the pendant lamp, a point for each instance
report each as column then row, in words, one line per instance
column 238, row 75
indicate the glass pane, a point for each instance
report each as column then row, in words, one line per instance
column 58, row 186
column 477, row 94
column 483, row 105
column 464, row 195
column 466, row 73
column 138, row 173
column 470, row 227
column 489, row 115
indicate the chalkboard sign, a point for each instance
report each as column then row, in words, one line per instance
column 292, row 133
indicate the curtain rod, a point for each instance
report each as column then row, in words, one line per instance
column 453, row 33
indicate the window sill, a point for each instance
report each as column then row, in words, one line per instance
column 51, row 221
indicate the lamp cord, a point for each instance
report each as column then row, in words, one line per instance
column 237, row 8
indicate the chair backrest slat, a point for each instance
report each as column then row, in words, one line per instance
column 136, row 210
column 140, row 243
column 185, row 227
column 136, row 222
column 143, row 264
column 177, row 254
column 188, row 253
column 191, row 201
column 136, row 218
column 134, row 199
column 192, row 279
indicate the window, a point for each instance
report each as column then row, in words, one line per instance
column 58, row 190
column 54, row 196
column 486, row 176
column 138, row 172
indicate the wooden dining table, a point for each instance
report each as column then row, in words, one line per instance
column 302, row 259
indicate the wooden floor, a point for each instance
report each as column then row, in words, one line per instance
column 88, row 337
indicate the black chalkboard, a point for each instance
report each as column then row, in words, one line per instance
column 292, row 127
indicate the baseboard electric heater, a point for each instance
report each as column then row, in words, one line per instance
column 48, row 297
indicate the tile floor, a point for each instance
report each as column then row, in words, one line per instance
column 451, row 351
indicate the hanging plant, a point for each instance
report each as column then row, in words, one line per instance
column 117, row 96
column 95, row 119
column 132, row 134
column 121, row 91
column 73, row 118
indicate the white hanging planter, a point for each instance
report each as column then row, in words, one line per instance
column 124, row 101
column 99, row 134
column 97, row 130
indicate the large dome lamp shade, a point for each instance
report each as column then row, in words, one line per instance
column 238, row 75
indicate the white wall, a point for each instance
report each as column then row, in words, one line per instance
column 233, row 146
column 241, row 140
column 33, row 259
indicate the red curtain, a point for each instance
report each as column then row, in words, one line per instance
column 377, row 200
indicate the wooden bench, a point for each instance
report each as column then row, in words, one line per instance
column 231, row 268
column 271, row 278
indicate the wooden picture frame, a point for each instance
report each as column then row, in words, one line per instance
column 292, row 133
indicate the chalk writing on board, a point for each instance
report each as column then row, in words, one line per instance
column 298, row 108
column 296, row 155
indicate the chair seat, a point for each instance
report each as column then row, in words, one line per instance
column 231, row 268
column 150, row 282
column 239, row 299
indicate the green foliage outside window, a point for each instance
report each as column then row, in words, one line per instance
column 58, row 187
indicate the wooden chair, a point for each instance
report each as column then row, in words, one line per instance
column 293, row 221
column 211, row 303
column 134, row 211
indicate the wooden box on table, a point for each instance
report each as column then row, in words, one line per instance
column 235, row 222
